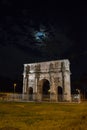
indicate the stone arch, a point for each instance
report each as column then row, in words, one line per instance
column 57, row 72
column 30, row 93
column 60, row 93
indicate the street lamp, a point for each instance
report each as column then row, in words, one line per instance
column 14, row 86
column 78, row 90
column 49, row 90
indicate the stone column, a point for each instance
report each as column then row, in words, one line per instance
column 53, row 94
column 67, row 88
column 38, row 83
column 26, row 81
column 24, row 85
column 35, row 90
column 66, row 81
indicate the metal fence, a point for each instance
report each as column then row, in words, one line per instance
column 10, row 97
column 29, row 98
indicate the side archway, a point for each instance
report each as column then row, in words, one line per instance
column 30, row 93
column 60, row 93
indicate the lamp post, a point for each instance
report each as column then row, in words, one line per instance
column 84, row 93
column 14, row 86
column 78, row 90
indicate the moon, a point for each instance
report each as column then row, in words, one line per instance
column 39, row 36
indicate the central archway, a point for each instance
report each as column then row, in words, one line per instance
column 45, row 90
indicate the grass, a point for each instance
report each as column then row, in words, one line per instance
column 43, row 116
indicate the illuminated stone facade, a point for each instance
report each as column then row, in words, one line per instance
column 47, row 81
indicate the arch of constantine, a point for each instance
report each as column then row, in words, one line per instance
column 47, row 81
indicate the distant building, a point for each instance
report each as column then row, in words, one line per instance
column 47, row 81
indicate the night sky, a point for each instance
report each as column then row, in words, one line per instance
column 42, row 31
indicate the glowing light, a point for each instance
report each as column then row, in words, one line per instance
column 39, row 35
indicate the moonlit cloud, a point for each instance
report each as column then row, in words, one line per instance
column 39, row 35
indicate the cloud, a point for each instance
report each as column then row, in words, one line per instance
column 18, row 44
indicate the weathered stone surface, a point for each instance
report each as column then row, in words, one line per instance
column 57, row 73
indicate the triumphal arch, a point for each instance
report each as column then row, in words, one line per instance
column 47, row 81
